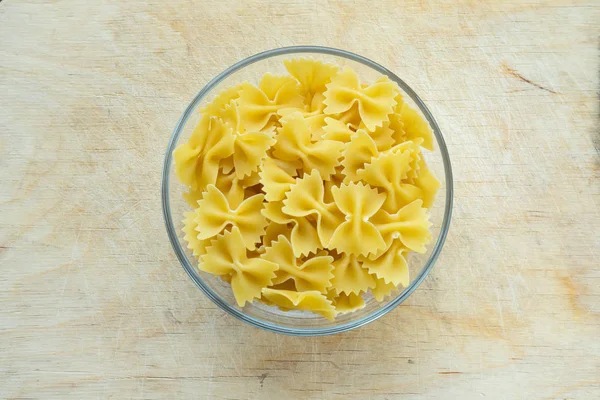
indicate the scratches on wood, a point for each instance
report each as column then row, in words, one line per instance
column 95, row 304
column 511, row 71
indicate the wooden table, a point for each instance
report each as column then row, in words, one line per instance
column 94, row 303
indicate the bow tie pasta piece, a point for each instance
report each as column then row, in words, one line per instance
column 275, row 180
column 226, row 164
column 191, row 197
column 287, row 285
column 294, row 142
column 342, row 132
column 273, row 231
column 414, row 148
column 214, row 214
column 218, row 108
column 390, row 266
column 337, row 130
column 350, row 118
column 408, row 124
column 259, row 105
column 313, row 75
column 316, row 124
column 230, row 114
column 197, row 246
column 335, row 181
column 273, row 211
column 197, row 165
column 304, row 235
column 235, row 189
column 375, row 102
column 221, row 100
column 362, row 148
column 316, row 105
column 306, row 198
column 314, row 119
column 227, row 256
column 279, row 87
column 250, row 149
column 387, row 172
column 428, row 184
column 311, row 300
column 382, row 135
column 359, row 151
column 382, row 289
column 410, row 224
column 344, row 303
column 312, row 274
column 350, row 277
column 357, row 235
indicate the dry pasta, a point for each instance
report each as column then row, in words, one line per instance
column 309, row 190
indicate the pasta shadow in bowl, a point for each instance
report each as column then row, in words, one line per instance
column 329, row 199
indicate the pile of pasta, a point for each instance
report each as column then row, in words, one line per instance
column 309, row 190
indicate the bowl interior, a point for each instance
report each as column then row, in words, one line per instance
column 271, row 318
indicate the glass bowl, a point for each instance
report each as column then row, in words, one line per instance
column 270, row 318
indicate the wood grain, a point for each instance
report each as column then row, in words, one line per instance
column 94, row 303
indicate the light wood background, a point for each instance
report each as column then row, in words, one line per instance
column 94, row 303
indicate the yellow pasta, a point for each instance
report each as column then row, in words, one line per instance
column 357, row 235
column 221, row 100
column 312, row 300
column 311, row 274
column 311, row 74
column 249, row 150
column 227, row 255
column 344, row 303
column 214, row 214
column 381, row 135
column 409, row 125
column 388, row 171
column 197, row 162
column 391, row 265
column 382, row 289
column 304, row 234
column 351, row 118
column 308, row 191
column 337, row 130
column 306, row 198
column 197, row 246
column 349, row 276
column 428, row 184
column 410, row 225
column 259, row 105
column 235, row 189
column 294, row 142
column 273, row 231
column 375, row 102
column 276, row 181
column 359, row 151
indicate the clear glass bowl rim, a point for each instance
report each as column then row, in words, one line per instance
column 189, row 269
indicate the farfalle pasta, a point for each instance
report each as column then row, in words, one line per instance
column 214, row 214
column 312, row 274
column 375, row 102
column 308, row 191
column 227, row 256
column 357, row 235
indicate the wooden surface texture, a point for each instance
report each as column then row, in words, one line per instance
column 93, row 303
